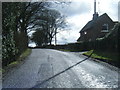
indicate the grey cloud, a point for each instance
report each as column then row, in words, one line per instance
column 74, row 8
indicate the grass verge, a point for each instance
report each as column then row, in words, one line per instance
column 111, row 58
column 96, row 55
column 65, row 50
column 68, row 50
column 24, row 54
column 13, row 64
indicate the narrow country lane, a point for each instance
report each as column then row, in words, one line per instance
column 45, row 63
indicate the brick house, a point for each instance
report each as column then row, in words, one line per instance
column 96, row 28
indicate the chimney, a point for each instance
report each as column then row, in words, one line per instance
column 95, row 15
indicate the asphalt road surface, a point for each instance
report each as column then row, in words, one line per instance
column 45, row 68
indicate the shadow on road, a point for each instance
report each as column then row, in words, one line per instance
column 44, row 81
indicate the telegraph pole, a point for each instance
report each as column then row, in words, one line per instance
column 55, row 37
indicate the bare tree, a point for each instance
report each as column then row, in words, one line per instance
column 50, row 21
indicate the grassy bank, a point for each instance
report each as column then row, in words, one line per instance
column 111, row 58
column 65, row 50
column 69, row 50
column 22, row 57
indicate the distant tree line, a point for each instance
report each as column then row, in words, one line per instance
column 20, row 18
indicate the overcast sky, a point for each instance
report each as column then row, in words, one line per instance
column 79, row 12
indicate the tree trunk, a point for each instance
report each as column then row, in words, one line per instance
column 50, row 41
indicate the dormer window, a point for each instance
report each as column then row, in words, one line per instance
column 104, row 28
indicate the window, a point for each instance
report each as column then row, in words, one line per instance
column 104, row 28
column 85, row 32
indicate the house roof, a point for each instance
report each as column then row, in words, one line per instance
column 92, row 23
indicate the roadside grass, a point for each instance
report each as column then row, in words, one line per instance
column 66, row 50
column 13, row 64
column 97, row 55
column 108, row 57
column 24, row 54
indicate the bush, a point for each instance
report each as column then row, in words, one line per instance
column 9, row 50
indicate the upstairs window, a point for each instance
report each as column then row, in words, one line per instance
column 104, row 28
